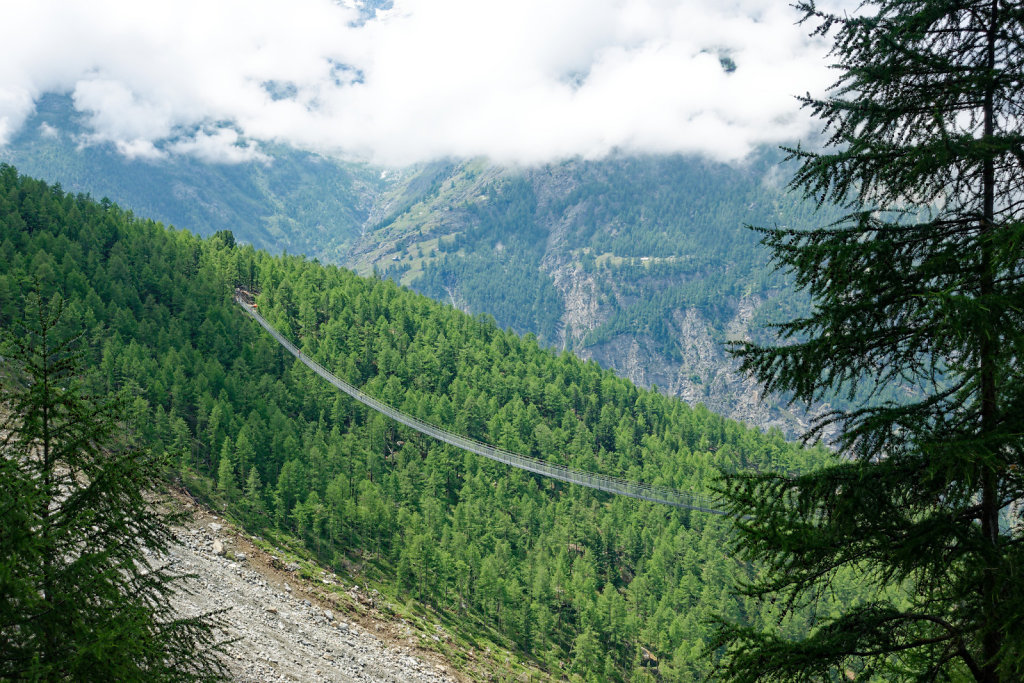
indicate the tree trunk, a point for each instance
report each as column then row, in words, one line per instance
column 992, row 639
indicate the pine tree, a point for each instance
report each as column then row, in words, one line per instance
column 255, row 509
column 80, row 596
column 918, row 293
column 226, row 480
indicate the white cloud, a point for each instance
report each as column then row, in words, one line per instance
column 117, row 114
column 48, row 131
column 517, row 80
column 221, row 146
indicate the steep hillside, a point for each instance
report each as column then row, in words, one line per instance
column 282, row 200
column 291, row 620
column 642, row 264
column 286, row 626
column 572, row 580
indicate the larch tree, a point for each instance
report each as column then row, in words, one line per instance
column 917, row 318
column 83, row 595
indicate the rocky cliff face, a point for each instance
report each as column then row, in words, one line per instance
column 704, row 374
column 699, row 371
column 583, row 311
column 573, row 211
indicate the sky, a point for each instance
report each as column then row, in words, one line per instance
column 518, row 81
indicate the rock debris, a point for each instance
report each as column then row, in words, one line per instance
column 281, row 635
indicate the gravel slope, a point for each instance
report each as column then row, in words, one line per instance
column 287, row 628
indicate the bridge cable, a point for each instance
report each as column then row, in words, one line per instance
column 599, row 482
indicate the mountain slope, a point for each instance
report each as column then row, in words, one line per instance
column 292, row 200
column 642, row 264
column 574, row 581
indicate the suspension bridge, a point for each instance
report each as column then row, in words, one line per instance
column 599, row 482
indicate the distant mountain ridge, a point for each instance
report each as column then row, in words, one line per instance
column 641, row 263
column 297, row 201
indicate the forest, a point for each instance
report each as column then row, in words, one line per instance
column 684, row 214
column 656, row 234
column 578, row 581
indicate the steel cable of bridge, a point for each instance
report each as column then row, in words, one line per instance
column 599, row 482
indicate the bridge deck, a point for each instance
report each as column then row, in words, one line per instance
column 600, row 482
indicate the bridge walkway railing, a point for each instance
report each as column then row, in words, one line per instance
column 599, row 482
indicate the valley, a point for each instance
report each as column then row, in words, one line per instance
column 444, row 341
column 642, row 264
column 574, row 581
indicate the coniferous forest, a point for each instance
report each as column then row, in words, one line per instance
column 127, row 368
column 578, row 581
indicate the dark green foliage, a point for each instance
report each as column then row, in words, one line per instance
column 654, row 234
column 498, row 270
column 918, row 290
column 573, row 578
column 79, row 599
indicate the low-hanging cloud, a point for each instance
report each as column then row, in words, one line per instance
column 520, row 81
